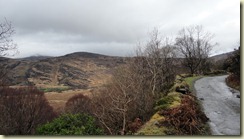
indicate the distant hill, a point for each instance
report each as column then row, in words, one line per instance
column 85, row 55
column 220, row 57
column 77, row 70
column 81, row 70
column 35, row 58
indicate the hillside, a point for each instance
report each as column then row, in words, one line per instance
column 77, row 70
column 71, row 74
column 220, row 57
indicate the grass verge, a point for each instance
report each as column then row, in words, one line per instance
column 191, row 80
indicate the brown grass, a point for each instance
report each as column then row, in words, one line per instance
column 58, row 100
column 233, row 81
column 187, row 119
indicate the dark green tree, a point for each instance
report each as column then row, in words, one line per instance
column 234, row 62
column 71, row 124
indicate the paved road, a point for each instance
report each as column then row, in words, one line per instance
column 220, row 104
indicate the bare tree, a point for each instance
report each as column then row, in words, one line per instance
column 159, row 55
column 22, row 110
column 115, row 104
column 6, row 41
column 133, row 89
column 78, row 104
column 102, row 110
column 135, row 86
column 194, row 44
column 6, row 45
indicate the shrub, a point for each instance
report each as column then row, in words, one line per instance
column 164, row 103
column 134, row 126
column 216, row 72
column 187, row 119
column 169, row 101
column 78, row 104
column 235, row 61
column 70, row 124
column 22, row 110
column 151, row 127
column 233, row 81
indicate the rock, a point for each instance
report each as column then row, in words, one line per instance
column 156, row 123
column 182, row 90
column 201, row 98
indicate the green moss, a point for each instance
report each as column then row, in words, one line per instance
column 172, row 100
column 180, row 81
column 190, row 81
column 54, row 89
column 157, row 117
column 177, row 99
column 164, row 102
column 150, row 128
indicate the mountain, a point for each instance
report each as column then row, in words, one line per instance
column 85, row 55
column 36, row 57
column 81, row 70
column 221, row 57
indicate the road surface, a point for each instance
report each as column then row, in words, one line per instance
column 220, row 104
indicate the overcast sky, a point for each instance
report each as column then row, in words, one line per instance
column 113, row 27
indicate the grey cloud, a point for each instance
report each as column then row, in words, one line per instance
column 112, row 26
column 101, row 21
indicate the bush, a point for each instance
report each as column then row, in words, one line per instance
column 71, row 124
column 233, row 81
column 216, row 72
column 169, row 101
column 79, row 104
column 187, row 119
column 235, row 61
column 22, row 110
column 164, row 102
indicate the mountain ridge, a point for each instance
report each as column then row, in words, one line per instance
column 75, row 70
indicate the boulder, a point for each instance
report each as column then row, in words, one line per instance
column 183, row 90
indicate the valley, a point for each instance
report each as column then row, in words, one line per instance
column 65, row 76
column 61, row 77
column 82, row 73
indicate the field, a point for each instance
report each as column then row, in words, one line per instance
column 57, row 100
